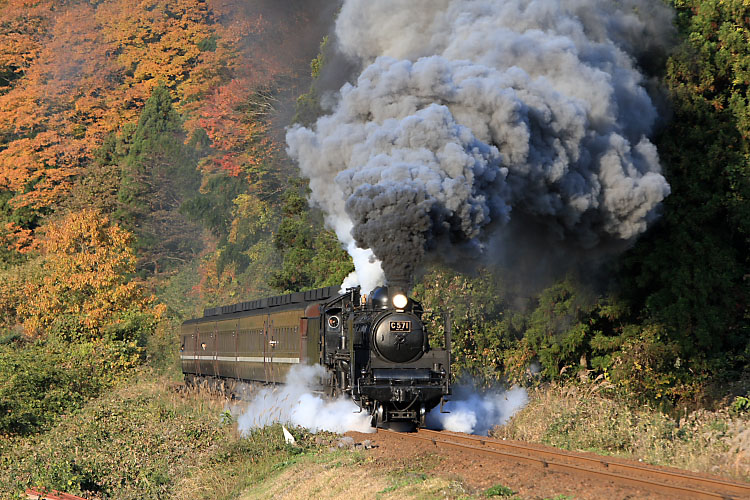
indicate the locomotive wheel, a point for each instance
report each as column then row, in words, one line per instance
column 377, row 416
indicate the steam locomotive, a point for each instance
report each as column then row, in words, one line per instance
column 375, row 349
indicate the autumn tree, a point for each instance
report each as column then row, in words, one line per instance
column 83, row 275
column 84, row 321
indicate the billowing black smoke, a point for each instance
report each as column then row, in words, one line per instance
column 471, row 111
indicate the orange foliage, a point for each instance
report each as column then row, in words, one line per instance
column 39, row 168
column 238, row 128
column 84, row 272
column 86, row 71
column 19, row 239
column 73, row 72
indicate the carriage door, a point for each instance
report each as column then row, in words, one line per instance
column 269, row 346
column 266, row 349
column 194, row 349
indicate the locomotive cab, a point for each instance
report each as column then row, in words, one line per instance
column 382, row 357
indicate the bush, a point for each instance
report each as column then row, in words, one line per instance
column 144, row 441
column 39, row 383
column 41, row 380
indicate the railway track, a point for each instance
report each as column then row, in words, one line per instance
column 668, row 481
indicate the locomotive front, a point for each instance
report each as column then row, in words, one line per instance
column 383, row 358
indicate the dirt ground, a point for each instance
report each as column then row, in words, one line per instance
column 477, row 472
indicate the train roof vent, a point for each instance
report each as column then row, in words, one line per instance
column 211, row 311
column 321, row 293
column 297, row 297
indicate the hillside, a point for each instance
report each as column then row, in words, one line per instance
column 144, row 176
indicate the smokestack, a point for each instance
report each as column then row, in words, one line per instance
column 470, row 111
column 398, row 285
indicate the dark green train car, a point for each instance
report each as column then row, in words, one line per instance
column 258, row 340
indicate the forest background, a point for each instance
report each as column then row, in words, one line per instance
column 143, row 177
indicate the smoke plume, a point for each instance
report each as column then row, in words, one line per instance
column 295, row 403
column 476, row 412
column 472, row 114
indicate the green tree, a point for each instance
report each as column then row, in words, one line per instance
column 158, row 174
column 312, row 256
column 690, row 272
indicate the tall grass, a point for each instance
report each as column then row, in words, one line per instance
column 579, row 418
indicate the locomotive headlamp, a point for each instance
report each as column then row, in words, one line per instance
column 400, row 300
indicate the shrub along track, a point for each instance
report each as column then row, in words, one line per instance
column 660, row 480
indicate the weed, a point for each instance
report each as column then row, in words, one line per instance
column 499, row 490
column 226, row 418
column 740, row 405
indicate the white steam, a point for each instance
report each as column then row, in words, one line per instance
column 295, row 403
column 476, row 412
column 367, row 270
column 469, row 111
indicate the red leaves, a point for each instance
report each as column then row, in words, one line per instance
column 233, row 118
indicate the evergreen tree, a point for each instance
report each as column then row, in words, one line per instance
column 158, row 173
column 691, row 272
column 312, row 255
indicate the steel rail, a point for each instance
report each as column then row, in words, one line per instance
column 682, row 484
column 46, row 494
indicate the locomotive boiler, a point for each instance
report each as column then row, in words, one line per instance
column 375, row 348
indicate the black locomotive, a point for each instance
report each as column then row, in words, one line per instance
column 374, row 348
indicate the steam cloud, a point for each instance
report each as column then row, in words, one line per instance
column 475, row 412
column 295, row 403
column 469, row 111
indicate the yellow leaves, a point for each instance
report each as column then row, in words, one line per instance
column 157, row 40
column 251, row 216
column 84, row 272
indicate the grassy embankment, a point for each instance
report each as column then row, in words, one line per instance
column 146, row 440
column 150, row 440
column 579, row 418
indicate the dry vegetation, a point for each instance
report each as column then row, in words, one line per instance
column 345, row 474
column 579, row 418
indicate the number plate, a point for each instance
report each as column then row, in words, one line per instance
column 400, row 326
